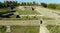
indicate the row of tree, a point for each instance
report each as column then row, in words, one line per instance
column 15, row 3
column 8, row 4
column 51, row 6
column 28, row 3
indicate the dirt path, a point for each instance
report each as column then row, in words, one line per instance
column 43, row 29
column 20, row 22
column 52, row 22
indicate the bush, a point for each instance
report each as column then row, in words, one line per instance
column 58, row 7
column 44, row 5
column 52, row 6
column 53, row 28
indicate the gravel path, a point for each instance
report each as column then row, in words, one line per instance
column 43, row 29
column 20, row 22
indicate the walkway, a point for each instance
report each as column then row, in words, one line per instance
column 43, row 29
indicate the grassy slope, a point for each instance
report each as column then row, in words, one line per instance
column 24, row 12
column 4, row 9
column 25, row 29
column 53, row 28
column 27, row 12
column 27, row 18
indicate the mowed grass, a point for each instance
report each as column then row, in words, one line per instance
column 27, row 18
column 21, row 18
column 24, row 12
column 25, row 29
column 27, row 12
column 46, row 18
column 2, row 29
column 4, row 9
column 21, row 29
column 53, row 28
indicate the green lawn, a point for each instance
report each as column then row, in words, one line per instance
column 27, row 18
column 21, row 29
column 27, row 12
column 53, row 28
column 25, row 29
column 24, row 12
column 4, row 9
column 2, row 29
column 21, row 12
column 46, row 18
column 13, row 17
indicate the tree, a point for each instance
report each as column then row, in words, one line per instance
column 52, row 6
column 0, row 4
column 28, row 3
column 44, row 5
column 34, row 3
column 6, row 4
column 58, row 7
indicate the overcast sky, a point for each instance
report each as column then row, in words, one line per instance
column 46, row 1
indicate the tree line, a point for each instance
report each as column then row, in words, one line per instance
column 8, row 4
column 29, row 3
column 15, row 3
column 51, row 6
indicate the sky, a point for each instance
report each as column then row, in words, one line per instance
column 45, row 1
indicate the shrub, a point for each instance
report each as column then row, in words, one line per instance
column 44, row 5
column 52, row 6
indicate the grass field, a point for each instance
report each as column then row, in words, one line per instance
column 53, row 28
column 46, row 18
column 21, row 29
column 27, row 12
column 25, row 29
column 4, row 9
column 27, row 18
column 2, row 29
column 24, row 12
